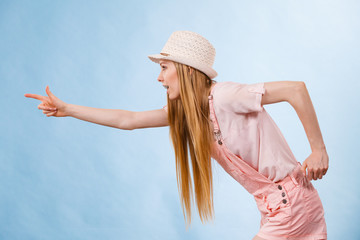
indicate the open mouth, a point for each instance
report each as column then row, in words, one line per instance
column 166, row 87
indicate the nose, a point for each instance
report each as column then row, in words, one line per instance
column 160, row 78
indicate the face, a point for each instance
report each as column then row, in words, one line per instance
column 169, row 79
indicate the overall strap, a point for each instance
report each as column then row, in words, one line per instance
column 251, row 179
column 213, row 119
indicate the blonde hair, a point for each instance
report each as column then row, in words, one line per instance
column 190, row 130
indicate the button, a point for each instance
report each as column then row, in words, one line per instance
column 219, row 142
column 283, row 194
column 279, row 187
column 284, row 201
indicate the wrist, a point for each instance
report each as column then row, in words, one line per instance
column 68, row 110
column 317, row 144
column 318, row 147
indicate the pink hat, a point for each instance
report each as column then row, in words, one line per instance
column 191, row 49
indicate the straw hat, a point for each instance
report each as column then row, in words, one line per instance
column 191, row 49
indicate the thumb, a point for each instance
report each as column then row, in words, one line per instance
column 49, row 93
column 303, row 168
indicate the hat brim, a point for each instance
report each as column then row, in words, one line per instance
column 157, row 57
column 210, row 72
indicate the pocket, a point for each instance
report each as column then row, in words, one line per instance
column 314, row 207
column 278, row 212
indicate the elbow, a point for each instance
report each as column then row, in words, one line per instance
column 300, row 86
column 128, row 126
column 299, row 89
column 125, row 127
column 127, row 121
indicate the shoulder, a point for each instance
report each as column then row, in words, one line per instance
column 227, row 90
column 239, row 97
column 224, row 88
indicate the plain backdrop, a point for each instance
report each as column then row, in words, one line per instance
column 62, row 178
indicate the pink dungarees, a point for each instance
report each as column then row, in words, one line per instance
column 290, row 208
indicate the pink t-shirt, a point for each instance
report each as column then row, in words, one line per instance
column 249, row 131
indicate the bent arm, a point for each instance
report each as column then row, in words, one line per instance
column 117, row 118
column 304, row 108
column 297, row 95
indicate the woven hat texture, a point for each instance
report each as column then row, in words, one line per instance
column 189, row 48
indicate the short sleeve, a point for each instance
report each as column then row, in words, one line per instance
column 165, row 108
column 240, row 98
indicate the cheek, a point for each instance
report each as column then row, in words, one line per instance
column 175, row 80
column 173, row 76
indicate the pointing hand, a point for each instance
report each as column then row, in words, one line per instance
column 51, row 105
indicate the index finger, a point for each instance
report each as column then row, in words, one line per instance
column 36, row 96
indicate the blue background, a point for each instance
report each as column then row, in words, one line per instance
column 62, row 178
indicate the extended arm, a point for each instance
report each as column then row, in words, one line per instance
column 296, row 94
column 117, row 118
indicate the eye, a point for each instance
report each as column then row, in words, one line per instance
column 163, row 67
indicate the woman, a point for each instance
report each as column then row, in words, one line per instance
column 226, row 121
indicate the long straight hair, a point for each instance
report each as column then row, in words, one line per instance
column 190, row 131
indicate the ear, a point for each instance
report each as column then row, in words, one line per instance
column 190, row 69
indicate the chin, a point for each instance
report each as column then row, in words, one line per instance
column 174, row 98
